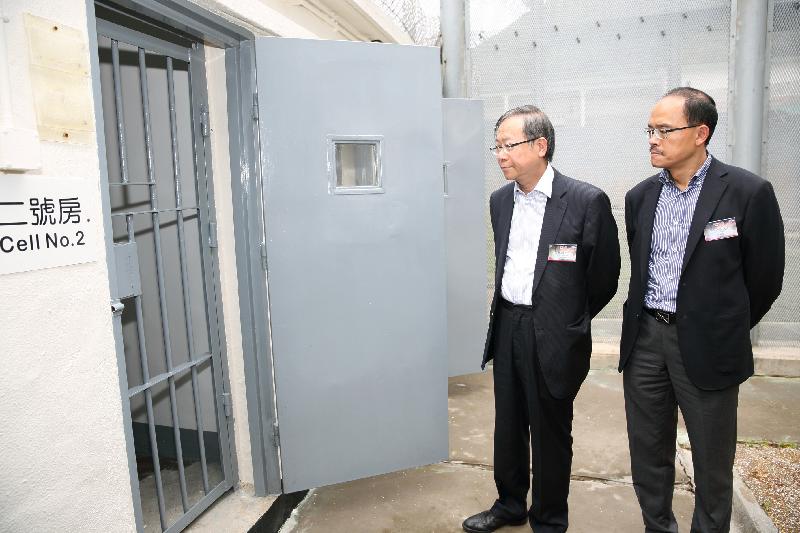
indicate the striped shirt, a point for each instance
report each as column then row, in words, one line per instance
column 523, row 240
column 673, row 218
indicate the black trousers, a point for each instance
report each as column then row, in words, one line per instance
column 656, row 383
column 528, row 422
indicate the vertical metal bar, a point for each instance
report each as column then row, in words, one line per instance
column 123, row 156
column 162, row 290
column 748, row 91
column 123, row 163
column 750, row 58
column 148, row 395
column 454, row 44
column 187, row 308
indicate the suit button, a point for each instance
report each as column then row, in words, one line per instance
column 638, row 315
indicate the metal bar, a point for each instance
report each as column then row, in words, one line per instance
column 162, row 290
column 152, row 211
column 148, row 395
column 130, row 183
column 748, row 81
column 454, row 44
column 198, row 409
column 123, row 156
column 747, row 120
column 149, row 383
column 123, row 162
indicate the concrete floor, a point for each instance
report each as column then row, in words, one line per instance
column 437, row 498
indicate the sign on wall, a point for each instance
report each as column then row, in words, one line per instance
column 45, row 222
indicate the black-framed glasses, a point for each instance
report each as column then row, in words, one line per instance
column 661, row 133
column 496, row 150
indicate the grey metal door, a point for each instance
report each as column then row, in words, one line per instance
column 466, row 234
column 352, row 194
column 158, row 166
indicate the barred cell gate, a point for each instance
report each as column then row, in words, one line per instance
column 155, row 115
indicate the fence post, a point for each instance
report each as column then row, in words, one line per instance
column 746, row 121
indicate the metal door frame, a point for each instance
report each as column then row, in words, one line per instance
column 251, row 265
column 216, row 31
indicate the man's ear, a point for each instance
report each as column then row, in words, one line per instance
column 703, row 132
column 541, row 144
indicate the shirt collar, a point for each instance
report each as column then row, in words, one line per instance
column 544, row 186
column 697, row 179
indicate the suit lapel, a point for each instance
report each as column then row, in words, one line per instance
column 647, row 217
column 553, row 215
column 713, row 187
column 503, row 231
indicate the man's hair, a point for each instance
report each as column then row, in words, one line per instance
column 698, row 107
column 536, row 125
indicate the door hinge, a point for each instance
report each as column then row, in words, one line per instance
column 255, row 106
column 204, row 126
column 263, row 255
column 212, row 235
column 276, row 434
column 226, row 402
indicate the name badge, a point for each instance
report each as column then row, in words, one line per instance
column 563, row 252
column 721, row 229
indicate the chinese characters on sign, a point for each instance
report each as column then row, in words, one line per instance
column 44, row 211
column 44, row 222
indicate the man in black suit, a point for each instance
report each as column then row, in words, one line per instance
column 557, row 264
column 707, row 255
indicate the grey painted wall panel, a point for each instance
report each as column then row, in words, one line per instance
column 464, row 145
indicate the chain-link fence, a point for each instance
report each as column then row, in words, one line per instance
column 596, row 68
column 782, row 164
column 421, row 26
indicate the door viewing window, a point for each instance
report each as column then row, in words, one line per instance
column 357, row 166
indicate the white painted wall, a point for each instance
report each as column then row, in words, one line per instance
column 62, row 449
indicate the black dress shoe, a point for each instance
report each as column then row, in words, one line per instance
column 486, row 522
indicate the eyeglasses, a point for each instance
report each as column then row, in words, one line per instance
column 661, row 133
column 497, row 150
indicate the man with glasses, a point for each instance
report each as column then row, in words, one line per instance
column 557, row 264
column 707, row 255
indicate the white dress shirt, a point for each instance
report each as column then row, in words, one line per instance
column 523, row 240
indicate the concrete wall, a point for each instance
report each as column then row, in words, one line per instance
column 62, row 446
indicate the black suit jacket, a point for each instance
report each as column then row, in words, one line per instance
column 726, row 286
column 566, row 296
